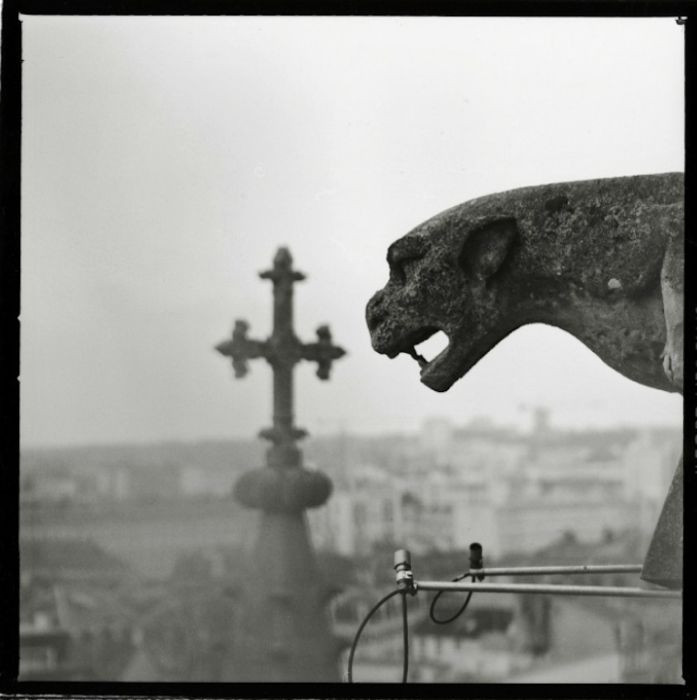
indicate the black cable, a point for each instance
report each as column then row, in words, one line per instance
column 431, row 612
column 405, row 637
column 373, row 610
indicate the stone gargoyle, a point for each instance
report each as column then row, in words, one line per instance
column 602, row 259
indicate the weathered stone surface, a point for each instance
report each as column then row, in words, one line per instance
column 601, row 259
column 663, row 563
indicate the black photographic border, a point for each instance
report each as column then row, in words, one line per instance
column 10, row 172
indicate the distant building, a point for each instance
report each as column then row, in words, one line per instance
column 486, row 643
column 197, row 481
column 113, row 483
column 649, row 463
column 515, row 492
column 437, row 438
column 73, row 623
column 54, row 486
column 149, row 535
column 44, row 652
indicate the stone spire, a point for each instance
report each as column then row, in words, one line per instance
column 282, row 632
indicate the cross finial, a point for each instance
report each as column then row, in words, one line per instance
column 282, row 350
column 282, row 268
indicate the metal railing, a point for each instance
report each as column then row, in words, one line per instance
column 405, row 579
column 552, row 570
column 556, row 589
column 407, row 585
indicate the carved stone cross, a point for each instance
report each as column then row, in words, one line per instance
column 282, row 350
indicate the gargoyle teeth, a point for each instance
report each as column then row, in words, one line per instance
column 419, row 358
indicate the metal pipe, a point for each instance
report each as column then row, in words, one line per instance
column 549, row 570
column 613, row 591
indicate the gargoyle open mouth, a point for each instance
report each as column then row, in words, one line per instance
column 409, row 342
column 436, row 373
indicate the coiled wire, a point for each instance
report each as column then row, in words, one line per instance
column 405, row 626
column 452, row 618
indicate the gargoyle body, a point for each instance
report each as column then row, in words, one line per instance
column 601, row 259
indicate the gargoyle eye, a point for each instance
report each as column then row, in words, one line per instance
column 402, row 258
column 402, row 265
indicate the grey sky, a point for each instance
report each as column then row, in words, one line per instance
column 165, row 159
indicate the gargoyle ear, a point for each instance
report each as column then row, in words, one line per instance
column 487, row 246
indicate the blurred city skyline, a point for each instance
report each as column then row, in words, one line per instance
column 130, row 554
column 166, row 159
column 526, row 420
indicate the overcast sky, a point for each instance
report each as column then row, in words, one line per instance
column 165, row 160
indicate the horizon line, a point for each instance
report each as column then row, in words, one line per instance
column 475, row 424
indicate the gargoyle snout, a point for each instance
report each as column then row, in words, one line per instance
column 374, row 311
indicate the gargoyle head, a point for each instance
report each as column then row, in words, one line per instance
column 445, row 276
